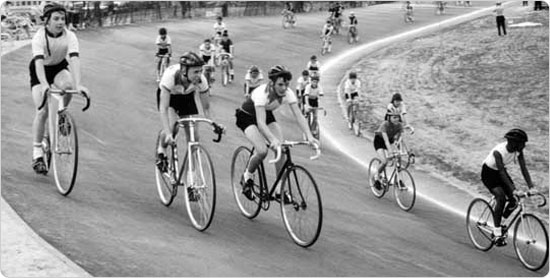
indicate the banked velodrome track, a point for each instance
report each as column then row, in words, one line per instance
column 114, row 225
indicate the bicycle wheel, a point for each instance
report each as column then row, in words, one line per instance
column 249, row 208
column 65, row 154
column 480, row 224
column 225, row 76
column 301, row 206
column 405, row 190
column 167, row 181
column 46, row 146
column 531, row 242
column 200, row 188
column 373, row 167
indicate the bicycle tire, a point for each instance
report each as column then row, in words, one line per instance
column 405, row 191
column 167, row 183
column 65, row 154
column 46, row 146
column 249, row 208
column 307, row 208
column 225, row 75
column 535, row 237
column 373, row 167
column 201, row 205
column 285, row 22
column 479, row 223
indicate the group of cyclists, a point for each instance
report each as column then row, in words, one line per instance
column 182, row 92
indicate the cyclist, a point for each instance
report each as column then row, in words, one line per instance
column 313, row 65
column 388, row 132
column 409, row 11
column 496, row 178
column 219, row 26
column 301, row 87
column 353, row 24
column 255, row 118
column 252, row 80
column 55, row 62
column 227, row 47
column 335, row 12
column 178, row 96
column 312, row 93
column 351, row 91
column 206, row 50
column 396, row 105
column 326, row 33
column 164, row 44
column 288, row 12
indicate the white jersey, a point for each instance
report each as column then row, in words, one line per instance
column 313, row 92
column 350, row 88
column 54, row 50
column 168, row 81
column 163, row 43
column 401, row 109
column 219, row 28
column 507, row 157
column 301, row 83
column 260, row 97
column 207, row 51
column 253, row 82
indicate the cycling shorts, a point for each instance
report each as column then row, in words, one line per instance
column 491, row 178
column 313, row 102
column 353, row 95
column 183, row 105
column 51, row 72
column 379, row 142
column 162, row 51
column 244, row 119
column 206, row 58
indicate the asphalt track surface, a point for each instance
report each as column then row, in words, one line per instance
column 113, row 224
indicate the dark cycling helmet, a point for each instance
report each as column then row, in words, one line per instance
column 50, row 8
column 279, row 71
column 254, row 68
column 219, row 17
column 352, row 75
column 396, row 96
column 191, row 59
column 313, row 57
column 305, row 73
column 516, row 134
column 162, row 31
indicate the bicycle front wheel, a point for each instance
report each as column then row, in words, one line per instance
column 167, row 181
column 200, row 188
column 480, row 224
column 65, row 153
column 531, row 242
column 249, row 207
column 405, row 190
column 301, row 206
column 371, row 173
column 225, row 76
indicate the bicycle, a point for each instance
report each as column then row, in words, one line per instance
column 352, row 35
column 530, row 235
column 301, row 201
column 440, row 7
column 63, row 156
column 337, row 23
column 196, row 174
column 313, row 120
column 325, row 44
column 289, row 19
column 400, row 178
column 354, row 122
column 163, row 63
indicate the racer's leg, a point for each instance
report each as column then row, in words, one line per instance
column 382, row 153
column 161, row 148
column 275, row 128
column 205, row 101
column 500, row 198
column 157, row 62
column 231, row 71
column 38, row 123
column 260, row 149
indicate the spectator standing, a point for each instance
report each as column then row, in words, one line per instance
column 501, row 21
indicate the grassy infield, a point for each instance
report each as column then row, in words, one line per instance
column 464, row 88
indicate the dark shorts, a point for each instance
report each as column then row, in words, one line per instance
column 206, row 58
column 51, row 72
column 313, row 102
column 353, row 95
column 244, row 119
column 162, row 51
column 491, row 178
column 379, row 142
column 250, row 89
column 183, row 105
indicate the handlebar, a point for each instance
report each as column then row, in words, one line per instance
column 219, row 130
column 527, row 194
column 65, row 92
column 292, row 144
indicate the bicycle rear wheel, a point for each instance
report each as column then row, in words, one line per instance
column 405, row 190
column 373, row 167
column 480, row 224
column 301, row 206
column 239, row 163
column 200, row 188
column 167, row 181
column 531, row 242
column 65, row 153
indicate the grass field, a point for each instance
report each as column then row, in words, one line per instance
column 464, row 87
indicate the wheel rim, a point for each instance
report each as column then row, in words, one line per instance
column 405, row 190
column 531, row 242
column 166, row 182
column 200, row 184
column 65, row 156
column 249, row 208
column 479, row 222
column 373, row 167
column 303, row 216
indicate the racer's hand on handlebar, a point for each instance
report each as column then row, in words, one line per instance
column 168, row 139
column 532, row 191
column 275, row 144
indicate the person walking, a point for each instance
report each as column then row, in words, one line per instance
column 501, row 21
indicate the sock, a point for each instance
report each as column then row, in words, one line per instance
column 37, row 150
column 497, row 231
column 247, row 175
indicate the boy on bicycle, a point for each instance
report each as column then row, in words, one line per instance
column 252, row 80
column 326, row 33
column 351, row 91
column 55, row 62
column 398, row 106
column 389, row 132
column 227, row 47
column 496, row 178
column 312, row 93
column 313, row 65
column 178, row 97
column 255, row 118
column 353, row 24
column 301, row 84
column 164, row 44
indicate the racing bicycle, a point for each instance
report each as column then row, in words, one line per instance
column 312, row 118
column 163, row 64
column 352, row 35
column 195, row 173
column 325, row 44
column 354, row 122
column 530, row 235
column 402, row 181
column 61, row 148
column 300, row 201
